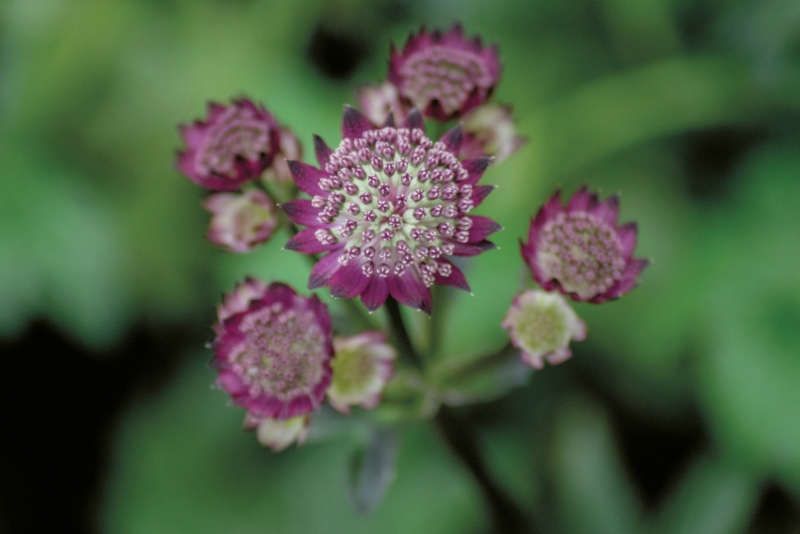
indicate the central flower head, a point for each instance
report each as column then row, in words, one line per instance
column 389, row 205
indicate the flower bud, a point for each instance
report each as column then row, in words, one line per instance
column 541, row 325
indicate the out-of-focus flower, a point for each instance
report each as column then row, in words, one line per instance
column 541, row 325
column 273, row 356
column 444, row 74
column 580, row 251
column 235, row 144
column 377, row 101
column 290, row 149
column 361, row 368
column 489, row 131
column 277, row 435
column 388, row 206
column 240, row 221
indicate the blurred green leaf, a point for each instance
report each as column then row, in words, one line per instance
column 61, row 255
column 595, row 493
column 712, row 497
column 372, row 470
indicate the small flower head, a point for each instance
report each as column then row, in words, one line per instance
column 377, row 101
column 489, row 131
column 273, row 350
column 579, row 249
column 388, row 206
column 240, row 221
column 361, row 368
column 235, row 144
column 444, row 74
column 541, row 325
column 276, row 434
column 290, row 149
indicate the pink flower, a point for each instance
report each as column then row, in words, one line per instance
column 444, row 74
column 240, row 221
column 377, row 101
column 580, row 251
column 489, row 131
column 235, row 144
column 541, row 325
column 273, row 350
column 361, row 368
column 388, row 207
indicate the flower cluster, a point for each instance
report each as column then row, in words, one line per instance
column 234, row 147
column 384, row 216
column 274, row 353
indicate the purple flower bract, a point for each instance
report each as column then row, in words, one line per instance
column 580, row 251
column 387, row 207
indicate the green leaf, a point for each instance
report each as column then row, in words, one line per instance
column 372, row 470
column 712, row 497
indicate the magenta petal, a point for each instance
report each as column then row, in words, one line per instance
column 322, row 151
column 456, row 278
column 452, row 140
column 323, row 270
column 306, row 242
column 301, row 212
column 472, row 249
column 348, row 281
column 280, row 293
column 307, row 177
column 480, row 193
column 482, row 227
column 627, row 238
column 476, row 167
column 414, row 120
column 579, row 201
column 608, row 211
column 297, row 406
column 409, row 290
column 354, row 123
column 375, row 293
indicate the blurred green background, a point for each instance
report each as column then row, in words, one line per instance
column 679, row 414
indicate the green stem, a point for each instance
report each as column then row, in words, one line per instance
column 402, row 340
column 506, row 515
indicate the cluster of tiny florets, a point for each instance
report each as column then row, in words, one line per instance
column 283, row 352
column 582, row 252
column 239, row 132
column 394, row 197
column 446, row 74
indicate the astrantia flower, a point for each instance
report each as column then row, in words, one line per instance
column 444, row 74
column 388, row 207
column 276, row 434
column 240, row 221
column 541, row 325
column 579, row 249
column 489, row 131
column 235, row 144
column 361, row 368
column 273, row 350
column 377, row 101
